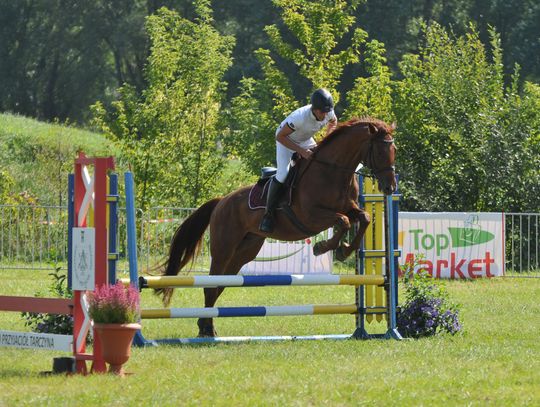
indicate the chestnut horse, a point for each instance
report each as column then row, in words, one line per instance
column 325, row 195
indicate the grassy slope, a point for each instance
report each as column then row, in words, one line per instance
column 495, row 362
column 38, row 155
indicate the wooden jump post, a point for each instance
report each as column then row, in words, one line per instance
column 92, row 216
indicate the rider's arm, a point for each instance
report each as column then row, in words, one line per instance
column 331, row 126
column 283, row 138
column 332, row 123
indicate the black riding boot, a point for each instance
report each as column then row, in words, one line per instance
column 274, row 193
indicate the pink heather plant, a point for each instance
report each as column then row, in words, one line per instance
column 114, row 304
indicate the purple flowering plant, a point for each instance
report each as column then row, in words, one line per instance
column 114, row 304
column 427, row 309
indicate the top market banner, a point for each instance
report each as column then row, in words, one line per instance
column 453, row 245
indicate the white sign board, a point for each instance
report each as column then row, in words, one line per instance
column 276, row 257
column 83, row 258
column 32, row 340
column 453, row 245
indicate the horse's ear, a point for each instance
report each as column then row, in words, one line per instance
column 393, row 126
column 372, row 129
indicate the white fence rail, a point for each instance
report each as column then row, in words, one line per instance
column 36, row 237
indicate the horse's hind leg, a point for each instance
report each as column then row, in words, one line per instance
column 244, row 253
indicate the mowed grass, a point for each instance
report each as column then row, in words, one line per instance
column 496, row 361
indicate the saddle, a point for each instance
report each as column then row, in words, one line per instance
column 259, row 191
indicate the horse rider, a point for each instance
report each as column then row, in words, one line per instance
column 295, row 134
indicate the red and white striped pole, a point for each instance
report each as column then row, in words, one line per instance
column 87, row 191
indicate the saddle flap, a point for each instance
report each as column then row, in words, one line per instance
column 259, row 191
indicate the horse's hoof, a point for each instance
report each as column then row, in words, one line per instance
column 317, row 249
column 340, row 256
column 206, row 330
column 340, row 253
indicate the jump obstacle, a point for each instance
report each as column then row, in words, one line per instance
column 375, row 280
column 92, row 205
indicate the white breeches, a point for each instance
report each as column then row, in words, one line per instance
column 283, row 158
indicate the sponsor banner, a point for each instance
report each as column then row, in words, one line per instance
column 276, row 257
column 31, row 340
column 453, row 245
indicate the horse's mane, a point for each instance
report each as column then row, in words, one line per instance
column 383, row 127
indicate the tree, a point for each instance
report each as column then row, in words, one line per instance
column 465, row 139
column 372, row 95
column 319, row 57
column 57, row 57
column 169, row 133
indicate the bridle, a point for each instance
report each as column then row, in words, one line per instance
column 370, row 162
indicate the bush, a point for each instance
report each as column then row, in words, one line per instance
column 52, row 323
column 427, row 310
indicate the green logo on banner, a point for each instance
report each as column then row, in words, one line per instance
column 463, row 237
column 276, row 258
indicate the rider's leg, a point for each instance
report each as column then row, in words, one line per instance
column 274, row 193
column 276, row 188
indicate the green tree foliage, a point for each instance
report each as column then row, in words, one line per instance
column 244, row 19
column 169, row 134
column 466, row 141
column 398, row 23
column 372, row 95
column 57, row 57
column 320, row 28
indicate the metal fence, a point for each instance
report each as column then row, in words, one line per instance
column 522, row 243
column 157, row 227
column 36, row 237
column 33, row 234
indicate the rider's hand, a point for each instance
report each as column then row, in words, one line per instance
column 306, row 154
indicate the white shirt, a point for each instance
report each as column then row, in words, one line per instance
column 304, row 124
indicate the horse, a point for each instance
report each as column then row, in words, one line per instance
column 325, row 195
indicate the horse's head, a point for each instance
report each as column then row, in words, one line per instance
column 362, row 140
column 380, row 156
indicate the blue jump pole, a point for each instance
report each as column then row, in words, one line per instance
column 391, row 271
column 139, row 339
column 71, row 222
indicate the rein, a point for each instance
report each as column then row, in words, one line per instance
column 368, row 161
column 333, row 165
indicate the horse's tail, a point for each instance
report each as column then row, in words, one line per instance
column 186, row 244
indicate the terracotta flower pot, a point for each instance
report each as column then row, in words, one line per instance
column 116, row 344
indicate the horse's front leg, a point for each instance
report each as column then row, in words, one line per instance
column 341, row 225
column 345, row 249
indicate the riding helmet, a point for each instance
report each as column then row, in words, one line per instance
column 322, row 100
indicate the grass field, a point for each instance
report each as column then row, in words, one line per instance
column 496, row 361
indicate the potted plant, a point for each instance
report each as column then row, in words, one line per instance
column 115, row 312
